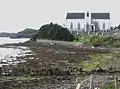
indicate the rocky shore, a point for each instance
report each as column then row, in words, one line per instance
column 50, row 66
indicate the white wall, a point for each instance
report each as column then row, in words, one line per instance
column 101, row 21
column 84, row 21
column 75, row 23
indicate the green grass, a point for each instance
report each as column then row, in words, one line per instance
column 97, row 59
column 105, row 61
column 107, row 41
column 83, row 38
column 110, row 86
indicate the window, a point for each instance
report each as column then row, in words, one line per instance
column 78, row 25
column 92, row 27
column 87, row 26
column 97, row 27
column 104, row 26
column 87, row 14
column 71, row 25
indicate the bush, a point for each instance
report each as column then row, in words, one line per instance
column 34, row 37
column 116, row 43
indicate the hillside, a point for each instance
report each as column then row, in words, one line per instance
column 4, row 34
column 26, row 33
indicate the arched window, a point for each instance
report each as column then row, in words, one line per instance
column 97, row 27
column 104, row 26
column 71, row 25
column 87, row 26
column 92, row 27
column 78, row 25
column 87, row 14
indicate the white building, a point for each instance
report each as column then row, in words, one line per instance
column 88, row 21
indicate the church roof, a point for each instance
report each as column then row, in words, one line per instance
column 75, row 16
column 100, row 15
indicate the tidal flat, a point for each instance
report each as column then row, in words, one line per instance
column 56, row 66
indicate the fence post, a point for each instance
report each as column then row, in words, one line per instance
column 91, row 82
column 78, row 86
column 116, row 81
column 97, row 81
column 78, row 82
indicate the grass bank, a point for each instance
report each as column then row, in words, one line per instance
column 98, row 40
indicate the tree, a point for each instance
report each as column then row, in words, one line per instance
column 54, row 32
column 34, row 37
column 118, row 27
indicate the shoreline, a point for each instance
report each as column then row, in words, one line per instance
column 57, row 49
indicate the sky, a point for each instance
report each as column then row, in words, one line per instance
column 16, row 15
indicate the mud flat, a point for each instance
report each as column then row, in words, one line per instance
column 52, row 66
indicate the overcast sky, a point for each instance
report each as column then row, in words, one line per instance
column 15, row 15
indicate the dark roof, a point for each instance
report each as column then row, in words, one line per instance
column 100, row 15
column 75, row 16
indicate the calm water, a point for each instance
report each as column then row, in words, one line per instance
column 10, row 55
column 4, row 40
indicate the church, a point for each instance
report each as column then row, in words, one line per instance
column 84, row 22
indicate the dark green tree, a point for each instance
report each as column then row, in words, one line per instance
column 54, row 32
